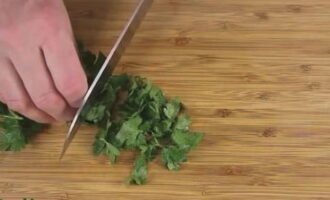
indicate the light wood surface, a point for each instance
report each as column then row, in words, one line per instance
column 255, row 76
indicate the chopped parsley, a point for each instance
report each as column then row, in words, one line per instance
column 130, row 113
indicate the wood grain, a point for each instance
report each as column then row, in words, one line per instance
column 255, row 77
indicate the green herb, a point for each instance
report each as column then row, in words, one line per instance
column 139, row 172
column 173, row 156
column 15, row 130
column 131, row 114
column 143, row 121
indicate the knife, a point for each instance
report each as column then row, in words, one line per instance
column 109, row 64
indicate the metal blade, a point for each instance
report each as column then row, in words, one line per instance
column 110, row 63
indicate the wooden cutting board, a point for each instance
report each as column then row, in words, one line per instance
column 255, row 76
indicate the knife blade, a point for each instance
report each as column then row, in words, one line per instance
column 110, row 63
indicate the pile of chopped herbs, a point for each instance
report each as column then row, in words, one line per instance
column 130, row 113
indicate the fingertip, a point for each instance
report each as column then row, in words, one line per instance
column 77, row 103
column 68, row 114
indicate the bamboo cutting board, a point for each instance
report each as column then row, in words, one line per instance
column 255, row 76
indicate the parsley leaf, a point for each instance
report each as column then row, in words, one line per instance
column 12, row 137
column 173, row 156
column 186, row 140
column 15, row 130
column 129, row 131
column 112, row 151
column 183, row 122
column 172, row 108
column 139, row 173
column 95, row 113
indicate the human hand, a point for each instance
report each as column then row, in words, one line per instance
column 40, row 73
